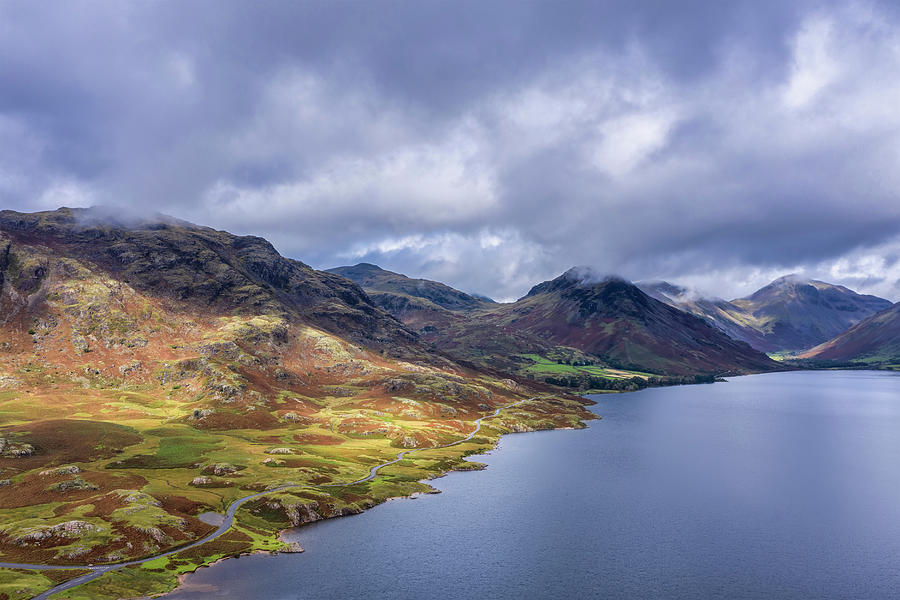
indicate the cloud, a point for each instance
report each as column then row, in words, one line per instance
column 488, row 145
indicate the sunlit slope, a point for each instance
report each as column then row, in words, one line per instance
column 874, row 341
column 151, row 371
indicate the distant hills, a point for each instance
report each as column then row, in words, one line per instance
column 377, row 280
column 615, row 320
column 653, row 329
column 571, row 320
column 788, row 315
column 874, row 341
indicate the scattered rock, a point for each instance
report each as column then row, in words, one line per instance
column 398, row 385
column 130, row 368
column 69, row 470
column 69, row 529
column 10, row 449
column 285, row 376
column 208, row 482
column 200, row 413
column 73, row 485
column 221, row 469
column 156, row 533
column 279, row 451
column 342, row 392
column 511, row 384
column 8, row 381
column 291, row 548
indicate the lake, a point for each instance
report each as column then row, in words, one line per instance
column 782, row 485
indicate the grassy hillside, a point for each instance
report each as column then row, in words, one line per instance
column 151, row 372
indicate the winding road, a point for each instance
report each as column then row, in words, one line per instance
column 98, row 570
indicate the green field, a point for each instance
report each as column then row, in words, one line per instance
column 545, row 366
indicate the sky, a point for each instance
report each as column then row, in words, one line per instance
column 490, row 145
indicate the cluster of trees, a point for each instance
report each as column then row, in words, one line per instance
column 575, row 362
column 625, row 384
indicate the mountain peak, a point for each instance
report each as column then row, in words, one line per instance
column 790, row 279
column 576, row 277
column 797, row 312
column 92, row 216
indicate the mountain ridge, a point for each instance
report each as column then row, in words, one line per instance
column 614, row 319
column 373, row 277
column 629, row 330
column 787, row 315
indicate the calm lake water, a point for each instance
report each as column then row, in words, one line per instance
column 770, row 486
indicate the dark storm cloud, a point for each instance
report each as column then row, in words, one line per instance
column 488, row 144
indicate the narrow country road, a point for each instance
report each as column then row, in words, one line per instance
column 98, row 570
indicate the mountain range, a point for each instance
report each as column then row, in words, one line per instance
column 575, row 318
column 790, row 314
column 590, row 322
column 152, row 370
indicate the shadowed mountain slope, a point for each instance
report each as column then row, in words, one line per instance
column 376, row 279
column 722, row 314
column 789, row 314
column 795, row 313
column 450, row 321
column 615, row 320
column 873, row 341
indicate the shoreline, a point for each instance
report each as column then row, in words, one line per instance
column 182, row 577
column 96, row 571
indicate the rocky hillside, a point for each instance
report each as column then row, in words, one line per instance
column 153, row 369
column 874, row 341
column 789, row 314
column 186, row 267
column 587, row 330
column 613, row 319
column 795, row 313
column 461, row 327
